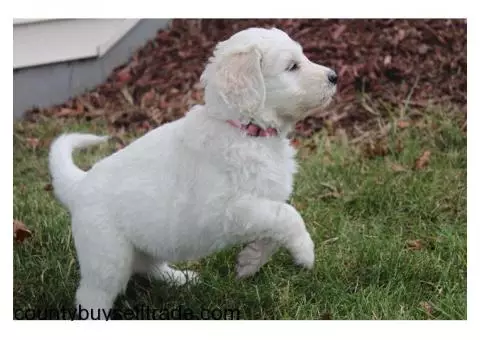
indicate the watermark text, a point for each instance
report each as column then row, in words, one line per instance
column 136, row 313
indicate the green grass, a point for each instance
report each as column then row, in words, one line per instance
column 364, row 268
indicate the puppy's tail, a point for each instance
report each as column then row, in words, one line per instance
column 65, row 174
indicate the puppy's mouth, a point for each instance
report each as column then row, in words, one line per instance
column 313, row 110
column 328, row 99
column 307, row 109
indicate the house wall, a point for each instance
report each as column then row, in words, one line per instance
column 53, row 84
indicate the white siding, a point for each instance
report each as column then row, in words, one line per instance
column 43, row 41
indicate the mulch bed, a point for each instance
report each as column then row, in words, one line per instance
column 381, row 64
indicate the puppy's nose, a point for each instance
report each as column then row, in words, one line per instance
column 332, row 77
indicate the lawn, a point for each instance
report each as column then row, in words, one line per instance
column 390, row 229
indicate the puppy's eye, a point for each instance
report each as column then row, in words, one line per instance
column 293, row 67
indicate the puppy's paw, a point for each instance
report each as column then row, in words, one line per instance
column 175, row 276
column 248, row 263
column 303, row 251
column 253, row 257
column 246, row 271
column 189, row 277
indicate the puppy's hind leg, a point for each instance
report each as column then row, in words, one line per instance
column 105, row 272
column 162, row 271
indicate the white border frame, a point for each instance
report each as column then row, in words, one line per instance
column 236, row 329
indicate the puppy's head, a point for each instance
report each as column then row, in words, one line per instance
column 262, row 75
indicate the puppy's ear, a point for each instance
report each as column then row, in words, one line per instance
column 239, row 81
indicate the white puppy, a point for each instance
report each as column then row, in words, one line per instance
column 220, row 176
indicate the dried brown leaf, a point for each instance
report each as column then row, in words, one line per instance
column 377, row 148
column 326, row 316
column 423, row 49
column 126, row 94
column 65, row 112
column 20, row 231
column 415, row 244
column 402, row 124
column 426, row 307
column 123, row 76
column 338, row 32
column 33, row 142
column 330, row 240
column 387, row 60
column 148, row 98
column 398, row 168
column 331, row 194
column 119, row 142
column 399, row 146
column 80, row 107
column 422, row 161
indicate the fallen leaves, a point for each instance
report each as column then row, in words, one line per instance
column 387, row 60
column 163, row 74
column 338, row 31
column 330, row 240
column 66, row 112
column 423, row 49
column 20, row 231
column 123, row 76
column 415, row 244
column 33, row 142
column 333, row 193
column 376, row 148
column 403, row 124
column 126, row 94
column 399, row 146
column 119, row 142
column 427, row 307
column 398, row 168
column 326, row 316
column 148, row 99
column 306, row 147
column 423, row 160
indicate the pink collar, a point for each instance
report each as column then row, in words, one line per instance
column 253, row 129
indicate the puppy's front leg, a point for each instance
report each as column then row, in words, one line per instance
column 261, row 219
column 254, row 256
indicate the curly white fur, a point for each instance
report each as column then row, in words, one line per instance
column 197, row 185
